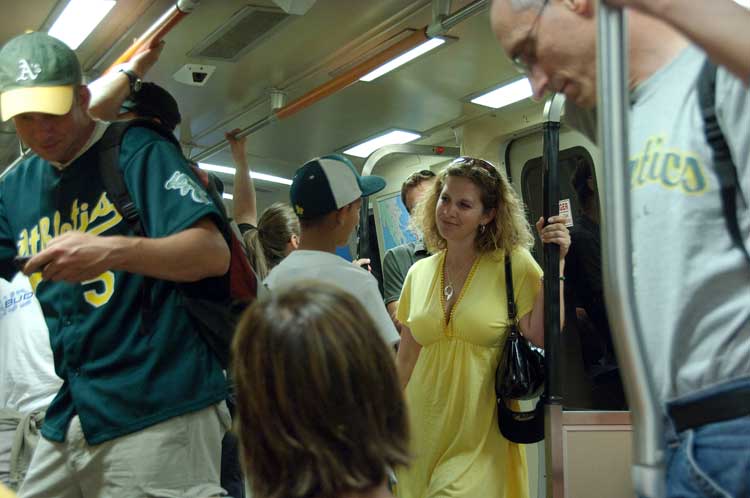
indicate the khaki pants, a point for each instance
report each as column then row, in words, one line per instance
column 6, row 446
column 178, row 458
column 19, row 434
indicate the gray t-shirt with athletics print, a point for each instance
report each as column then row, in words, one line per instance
column 692, row 283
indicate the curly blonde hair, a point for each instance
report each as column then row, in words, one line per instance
column 508, row 230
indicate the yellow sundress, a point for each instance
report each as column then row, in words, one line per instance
column 458, row 449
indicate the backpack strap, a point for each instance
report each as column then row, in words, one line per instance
column 722, row 157
column 118, row 193
column 114, row 182
column 111, row 173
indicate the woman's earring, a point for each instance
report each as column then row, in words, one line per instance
column 481, row 228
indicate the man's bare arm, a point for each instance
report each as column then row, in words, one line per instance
column 720, row 27
column 192, row 254
column 112, row 89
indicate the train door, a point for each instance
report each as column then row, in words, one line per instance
column 595, row 428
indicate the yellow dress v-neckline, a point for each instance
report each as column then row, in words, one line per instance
column 448, row 317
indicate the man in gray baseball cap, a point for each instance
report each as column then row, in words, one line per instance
column 131, row 387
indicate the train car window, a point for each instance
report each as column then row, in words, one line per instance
column 532, row 191
column 590, row 369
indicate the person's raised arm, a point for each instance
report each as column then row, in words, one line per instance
column 192, row 254
column 245, row 204
column 720, row 27
column 532, row 324
column 109, row 91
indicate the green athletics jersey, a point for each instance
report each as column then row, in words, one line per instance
column 117, row 379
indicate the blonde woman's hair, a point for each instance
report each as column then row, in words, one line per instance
column 267, row 245
column 508, row 230
column 320, row 411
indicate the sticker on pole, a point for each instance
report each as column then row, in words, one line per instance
column 564, row 208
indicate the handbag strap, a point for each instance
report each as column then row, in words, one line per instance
column 509, row 292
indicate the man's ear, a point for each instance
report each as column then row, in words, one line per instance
column 584, row 8
column 83, row 95
column 340, row 215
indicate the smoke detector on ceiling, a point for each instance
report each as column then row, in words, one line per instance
column 194, row 74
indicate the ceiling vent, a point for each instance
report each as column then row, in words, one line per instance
column 246, row 29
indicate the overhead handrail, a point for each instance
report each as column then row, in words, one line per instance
column 617, row 264
column 553, row 394
column 150, row 38
column 153, row 35
column 351, row 76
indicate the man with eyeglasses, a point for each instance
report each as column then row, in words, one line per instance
column 691, row 271
column 398, row 260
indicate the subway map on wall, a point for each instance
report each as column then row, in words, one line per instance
column 394, row 221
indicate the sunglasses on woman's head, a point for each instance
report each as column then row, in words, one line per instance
column 480, row 163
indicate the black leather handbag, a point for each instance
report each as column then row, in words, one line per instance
column 519, row 375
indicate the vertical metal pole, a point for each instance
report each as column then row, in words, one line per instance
column 613, row 105
column 553, row 381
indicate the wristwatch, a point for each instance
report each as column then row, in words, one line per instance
column 134, row 79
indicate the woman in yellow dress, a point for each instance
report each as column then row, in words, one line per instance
column 453, row 308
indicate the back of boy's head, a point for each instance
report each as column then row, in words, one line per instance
column 326, row 184
column 320, row 410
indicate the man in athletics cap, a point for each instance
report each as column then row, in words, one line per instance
column 140, row 412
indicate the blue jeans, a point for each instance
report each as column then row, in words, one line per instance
column 710, row 461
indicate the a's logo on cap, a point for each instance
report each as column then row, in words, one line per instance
column 300, row 210
column 28, row 70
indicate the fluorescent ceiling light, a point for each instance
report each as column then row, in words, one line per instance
column 79, row 19
column 744, row 3
column 227, row 196
column 403, row 59
column 254, row 175
column 269, row 178
column 389, row 138
column 506, row 94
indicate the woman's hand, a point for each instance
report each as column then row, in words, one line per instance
column 555, row 232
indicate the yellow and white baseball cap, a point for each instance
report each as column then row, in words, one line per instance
column 38, row 73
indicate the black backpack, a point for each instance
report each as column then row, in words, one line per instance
column 723, row 164
column 214, row 303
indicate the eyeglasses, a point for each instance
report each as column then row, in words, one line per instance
column 525, row 60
